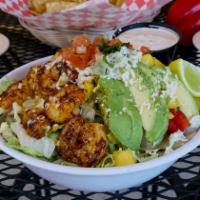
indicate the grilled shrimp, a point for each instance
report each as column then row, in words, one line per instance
column 17, row 92
column 48, row 78
column 35, row 123
column 65, row 104
column 82, row 143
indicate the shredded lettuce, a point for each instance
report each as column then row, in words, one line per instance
column 37, row 102
column 4, row 84
column 175, row 140
column 7, row 134
column 88, row 111
column 62, row 162
column 53, row 135
column 16, row 111
column 143, row 155
column 45, row 146
column 16, row 137
column 107, row 161
column 12, row 141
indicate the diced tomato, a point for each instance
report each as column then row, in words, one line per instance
column 81, row 59
column 81, row 40
column 98, row 40
column 78, row 61
column 144, row 49
column 178, row 122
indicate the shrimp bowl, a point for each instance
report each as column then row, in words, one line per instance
column 81, row 119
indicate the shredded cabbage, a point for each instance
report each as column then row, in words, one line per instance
column 175, row 140
column 7, row 134
column 45, row 146
column 4, row 84
column 33, row 103
column 16, row 111
column 107, row 161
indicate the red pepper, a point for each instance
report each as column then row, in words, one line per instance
column 185, row 16
column 178, row 122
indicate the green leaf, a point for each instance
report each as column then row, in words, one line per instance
column 107, row 49
column 4, row 84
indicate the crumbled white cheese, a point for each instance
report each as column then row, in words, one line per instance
column 29, row 122
column 20, row 86
column 53, row 62
column 47, row 128
column 108, row 110
column 195, row 122
column 63, row 79
column 124, row 109
column 84, row 75
column 144, row 106
column 122, row 64
column 171, row 86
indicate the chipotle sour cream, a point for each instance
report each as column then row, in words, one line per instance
column 154, row 38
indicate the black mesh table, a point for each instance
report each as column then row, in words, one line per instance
column 181, row 181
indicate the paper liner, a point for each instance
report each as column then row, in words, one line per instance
column 91, row 14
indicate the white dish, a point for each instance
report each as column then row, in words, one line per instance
column 196, row 40
column 96, row 179
column 4, row 43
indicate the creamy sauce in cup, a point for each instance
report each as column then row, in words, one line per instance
column 153, row 38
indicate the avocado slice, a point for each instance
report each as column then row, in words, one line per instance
column 185, row 101
column 153, row 109
column 123, row 117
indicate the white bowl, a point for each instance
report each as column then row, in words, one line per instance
column 96, row 179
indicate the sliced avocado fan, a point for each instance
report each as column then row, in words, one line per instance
column 154, row 110
column 123, row 118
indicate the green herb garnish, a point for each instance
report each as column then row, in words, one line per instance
column 107, row 49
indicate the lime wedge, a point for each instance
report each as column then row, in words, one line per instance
column 188, row 74
column 197, row 99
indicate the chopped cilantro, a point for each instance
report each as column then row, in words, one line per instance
column 107, row 49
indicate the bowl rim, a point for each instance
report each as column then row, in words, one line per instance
column 71, row 170
column 154, row 25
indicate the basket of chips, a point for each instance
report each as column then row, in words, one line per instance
column 55, row 22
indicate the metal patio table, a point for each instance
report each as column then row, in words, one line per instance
column 181, row 181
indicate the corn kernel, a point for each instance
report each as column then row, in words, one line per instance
column 197, row 99
column 123, row 157
column 152, row 61
column 88, row 88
